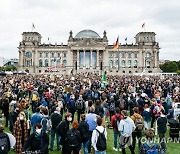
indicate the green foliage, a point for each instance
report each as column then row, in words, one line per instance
column 171, row 66
column 178, row 72
column 8, row 68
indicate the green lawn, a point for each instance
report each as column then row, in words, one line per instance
column 172, row 148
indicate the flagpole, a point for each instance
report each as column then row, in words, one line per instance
column 118, row 55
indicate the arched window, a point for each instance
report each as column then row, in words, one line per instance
column 129, row 63
column 116, row 63
column 28, row 63
column 46, row 63
column 28, row 54
column 123, row 63
column 53, row 61
column 64, row 62
column 135, row 63
column 110, row 64
column 40, row 63
column 58, row 63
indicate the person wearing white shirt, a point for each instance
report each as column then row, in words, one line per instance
column 126, row 127
column 95, row 136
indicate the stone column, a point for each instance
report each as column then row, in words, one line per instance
column 77, row 59
column 97, row 58
column 91, row 59
column 157, row 60
column 84, row 58
column 23, row 59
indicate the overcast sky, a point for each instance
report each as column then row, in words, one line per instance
column 55, row 18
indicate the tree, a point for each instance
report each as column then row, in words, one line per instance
column 171, row 66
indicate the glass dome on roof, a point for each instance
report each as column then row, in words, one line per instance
column 87, row 34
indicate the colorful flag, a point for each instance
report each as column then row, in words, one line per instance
column 116, row 45
column 125, row 39
column 143, row 25
column 104, row 78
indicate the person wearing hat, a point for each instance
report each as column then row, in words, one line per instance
column 4, row 141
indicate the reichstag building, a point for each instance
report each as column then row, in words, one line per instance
column 88, row 52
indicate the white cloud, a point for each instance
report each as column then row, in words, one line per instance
column 55, row 18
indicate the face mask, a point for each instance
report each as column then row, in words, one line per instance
column 38, row 131
column 21, row 117
column 69, row 119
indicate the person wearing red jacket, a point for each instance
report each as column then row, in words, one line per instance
column 115, row 120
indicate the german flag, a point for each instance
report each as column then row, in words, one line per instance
column 116, row 45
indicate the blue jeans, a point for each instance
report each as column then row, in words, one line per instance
column 85, row 146
column 116, row 137
column 53, row 133
column 100, row 152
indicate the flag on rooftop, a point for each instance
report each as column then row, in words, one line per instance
column 116, row 45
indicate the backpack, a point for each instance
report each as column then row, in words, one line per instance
column 116, row 121
column 112, row 107
column 101, row 141
column 48, row 124
column 34, row 97
column 4, row 145
column 139, row 124
column 72, row 138
column 150, row 150
column 79, row 104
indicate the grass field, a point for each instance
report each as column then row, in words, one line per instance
column 172, row 148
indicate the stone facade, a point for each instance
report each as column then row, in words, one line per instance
column 88, row 52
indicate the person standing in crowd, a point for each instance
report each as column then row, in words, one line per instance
column 37, row 141
column 45, row 122
column 99, row 137
column 90, row 119
column 84, row 132
column 36, row 118
column 111, row 107
column 115, row 120
column 139, row 123
column 34, row 100
column 4, row 141
column 72, row 106
column 62, row 130
column 80, row 106
column 5, row 108
column 20, row 132
column 13, row 117
column 126, row 127
column 147, row 116
column 99, row 109
column 56, row 118
column 161, row 126
column 74, row 138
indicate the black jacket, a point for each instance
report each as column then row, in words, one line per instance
column 55, row 119
column 62, row 130
column 161, row 122
column 6, row 137
column 33, row 143
column 84, row 130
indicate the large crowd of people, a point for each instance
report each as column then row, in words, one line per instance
column 75, row 111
